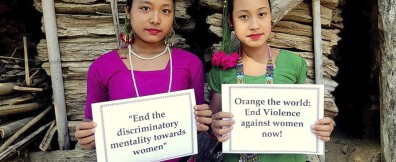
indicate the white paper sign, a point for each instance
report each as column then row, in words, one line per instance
column 152, row 128
column 273, row 118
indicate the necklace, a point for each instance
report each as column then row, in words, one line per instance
column 133, row 75
column 240, row 77
column 148, row 58
column 269, row 74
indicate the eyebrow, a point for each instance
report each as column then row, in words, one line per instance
column 148, row 2
column 257, row 9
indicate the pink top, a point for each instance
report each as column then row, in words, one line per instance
column 109, row 79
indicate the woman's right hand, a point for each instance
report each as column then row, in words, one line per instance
column 221, row 128
column 85, row 134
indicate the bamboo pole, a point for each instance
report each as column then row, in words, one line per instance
column 56, row 73
column 27, row 89
column 6, row 88
column 11, row 128
column 14, row 148
column 23, row 129
column 20, row 99
column 317, row 30
column 114, row 10
column 14, row 109
column 25, row 55
column 46, row 142
column 317, row 41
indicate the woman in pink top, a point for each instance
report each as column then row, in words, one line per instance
column 148, row 66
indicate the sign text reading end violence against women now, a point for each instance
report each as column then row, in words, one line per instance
column 273, row 118
column 151, row 128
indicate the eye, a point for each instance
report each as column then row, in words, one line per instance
column 262, row 14
column 243, row 17
column 166, row 11
column 145, row 8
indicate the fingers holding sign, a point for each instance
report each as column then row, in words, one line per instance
column 203, row 116
column 221, row 128
column 85, row 134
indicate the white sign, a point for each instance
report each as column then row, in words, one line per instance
column 152, row 128
column 273, row 118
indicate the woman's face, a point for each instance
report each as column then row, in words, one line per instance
column 252, row 21
column 151, row 20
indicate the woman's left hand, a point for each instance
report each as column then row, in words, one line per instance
column 323, row 128
column 203, row 116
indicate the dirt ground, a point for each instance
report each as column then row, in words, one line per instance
column 342, row 148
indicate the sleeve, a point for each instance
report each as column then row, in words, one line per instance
column 214, row 80
column 96, row 90
column 302, row 71
column 197, row 76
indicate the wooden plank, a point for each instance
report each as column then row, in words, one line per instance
column 289, row 41
column 332, row 4
column 84, row 25
column 79, row 49
column 294, row 28
column 303, row 14
column 280, row 8
column 70, row 155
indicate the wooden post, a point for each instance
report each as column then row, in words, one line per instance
column 387, row 29
column 58, row 89
column 114, row 10
column 27, row 76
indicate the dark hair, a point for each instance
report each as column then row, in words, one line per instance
column 226, row 45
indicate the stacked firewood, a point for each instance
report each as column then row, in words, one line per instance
column 25, row 102
column 86, row 31
column 294, row 32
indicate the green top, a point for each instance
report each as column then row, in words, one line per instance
column 289, row 69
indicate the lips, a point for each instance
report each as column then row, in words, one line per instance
column 255, row 36
column 153, row 31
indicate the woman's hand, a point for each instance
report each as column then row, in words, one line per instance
column 85, row 134
column 221, row 128
column 203, row 116
column 323, row 128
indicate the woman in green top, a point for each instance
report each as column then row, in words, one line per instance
column 257, row 64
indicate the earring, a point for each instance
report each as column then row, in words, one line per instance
column 170, row 38
column 127, row 35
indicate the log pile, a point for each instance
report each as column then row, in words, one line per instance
column 86, row 31
column 25, row 99
column 294, row 33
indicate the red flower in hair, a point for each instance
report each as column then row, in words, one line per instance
column 224, row 60
column 217, row 57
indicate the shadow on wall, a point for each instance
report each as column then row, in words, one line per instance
column 358, row 91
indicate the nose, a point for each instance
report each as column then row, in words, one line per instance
column 155, row 18
column 254, row 24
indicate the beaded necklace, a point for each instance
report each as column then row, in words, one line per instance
column 133, row 75
column 269, row 78
column 269, row 74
